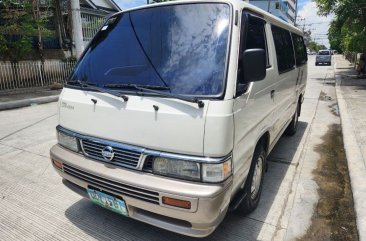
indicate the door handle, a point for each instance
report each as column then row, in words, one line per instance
column 272, row 94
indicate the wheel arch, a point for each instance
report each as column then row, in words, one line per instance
column 264, row 140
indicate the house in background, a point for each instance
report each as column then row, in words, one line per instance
column 92, row 13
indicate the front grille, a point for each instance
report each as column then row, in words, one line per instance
column 112, row 186
column 122, row 156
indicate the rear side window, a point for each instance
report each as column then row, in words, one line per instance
column 300, row 50
column 284, row 49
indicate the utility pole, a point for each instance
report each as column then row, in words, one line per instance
column 298, row 25
column 296, row 11
column 77, row 31
column 269, row 6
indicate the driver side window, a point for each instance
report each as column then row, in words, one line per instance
column 253, row 36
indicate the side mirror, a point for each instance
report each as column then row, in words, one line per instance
column 254, row 65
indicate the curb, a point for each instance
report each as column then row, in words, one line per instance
column 355, row 161
column 27, row 102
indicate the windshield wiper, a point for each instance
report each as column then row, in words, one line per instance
column 93, row 87
column 146, row 88
column 122, row 86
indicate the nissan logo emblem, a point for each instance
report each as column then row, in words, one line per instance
column 108, row 153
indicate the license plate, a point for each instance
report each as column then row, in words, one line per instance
column 107, row 201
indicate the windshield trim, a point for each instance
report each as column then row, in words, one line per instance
column 220, row 95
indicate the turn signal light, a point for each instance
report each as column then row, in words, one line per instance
column 177, row 202
column 57, row 164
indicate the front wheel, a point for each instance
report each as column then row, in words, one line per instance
column 254, row 182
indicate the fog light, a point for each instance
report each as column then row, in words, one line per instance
column 177, row 202
column 57, row 164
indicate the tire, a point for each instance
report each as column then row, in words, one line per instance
column 292, row 127
column 254, row 182
column 316, row 64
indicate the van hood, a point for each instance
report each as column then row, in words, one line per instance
column 177, row 126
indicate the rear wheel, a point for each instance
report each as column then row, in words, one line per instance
column 292, row 128
column 254, row 182
column 316, row 64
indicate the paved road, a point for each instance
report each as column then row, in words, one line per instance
column 34, row 205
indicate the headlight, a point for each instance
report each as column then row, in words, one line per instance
column 177, row 168
column 67, row 141
column 216, row 172
column 191, row 170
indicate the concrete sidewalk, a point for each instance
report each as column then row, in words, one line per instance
column 351, row 96
column 27, row 97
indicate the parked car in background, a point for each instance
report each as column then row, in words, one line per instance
column 323, row 57
column 171, row 111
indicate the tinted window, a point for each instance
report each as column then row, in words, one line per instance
column 181, row 46
column 256, row 35
column 253, row 36
column 284, row 49
column 300, row 50
column 323, row 53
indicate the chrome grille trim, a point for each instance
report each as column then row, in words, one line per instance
column 124, row 155
column 112, row 186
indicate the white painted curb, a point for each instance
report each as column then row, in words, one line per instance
column 27, row 102
column 356, row 164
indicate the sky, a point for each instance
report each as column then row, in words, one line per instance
column 307, row 9
column 124, row 4
column 318, row 25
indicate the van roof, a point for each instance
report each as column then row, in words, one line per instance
column 237, row 3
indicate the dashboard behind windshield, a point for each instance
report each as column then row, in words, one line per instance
column 182, row 47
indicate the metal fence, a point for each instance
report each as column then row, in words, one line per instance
column 90, row 26
column 33, row 74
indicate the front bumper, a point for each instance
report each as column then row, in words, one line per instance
column 143, row 193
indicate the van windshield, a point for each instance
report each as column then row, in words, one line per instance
column 182, row 48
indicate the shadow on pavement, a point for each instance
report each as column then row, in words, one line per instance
column 349, row 77
column 103, row 224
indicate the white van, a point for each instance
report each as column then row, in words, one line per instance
column 170, row 113
column 323, row 57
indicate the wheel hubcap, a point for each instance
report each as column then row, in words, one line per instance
column 257, row 178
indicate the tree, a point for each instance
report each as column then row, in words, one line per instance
column 313, row 46
column 348, row 29
column 20, row 21
column 335, row 36
column 16, row 26
column 40, row 14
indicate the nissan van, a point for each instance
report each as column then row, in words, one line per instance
column 172, row 109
